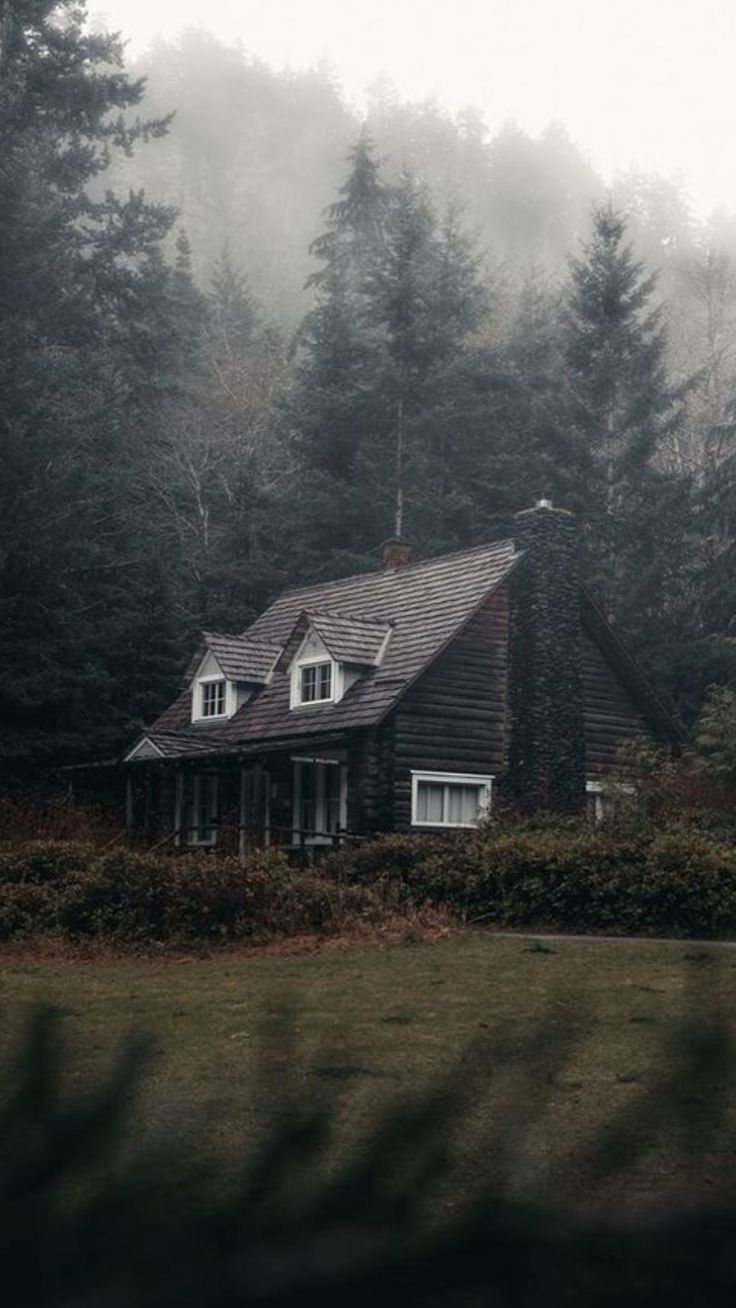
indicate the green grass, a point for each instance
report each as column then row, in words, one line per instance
column 374, row 1026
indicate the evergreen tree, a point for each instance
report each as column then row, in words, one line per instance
column 333, row 407
column 623, row 410
column 428, row 300
column 81, row 285
column 384, row 361
column 533, row 453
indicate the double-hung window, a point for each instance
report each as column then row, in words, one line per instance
column 319, row 800
column 448, row 799
column 213, row 699
column 315, row 683
column 202, row 809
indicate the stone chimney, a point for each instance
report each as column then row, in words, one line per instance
column 546, row 767
column 396, row 554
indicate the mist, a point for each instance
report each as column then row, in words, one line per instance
column 498, row 227
column 634, row 85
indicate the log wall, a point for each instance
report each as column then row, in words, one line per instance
column 454, row 717
column 610, row 713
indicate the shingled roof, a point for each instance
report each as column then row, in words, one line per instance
column 349, row 639
column 423, row 604
column 240, row 657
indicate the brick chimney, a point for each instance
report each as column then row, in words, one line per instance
column 546, row 758
column 396, row 554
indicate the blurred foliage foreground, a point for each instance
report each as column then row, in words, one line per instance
column 90, row 1216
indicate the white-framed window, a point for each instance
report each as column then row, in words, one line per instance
column 449, row 799
column 213, row 698
column 202, row 810
column 601, row 797
column 320, row 800
column 316, row 682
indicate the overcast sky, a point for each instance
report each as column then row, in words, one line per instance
column 634, row 81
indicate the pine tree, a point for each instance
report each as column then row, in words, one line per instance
column 332, row 408
column 623, row 410
column 80, row 298
column 533, row 451
column 385, row 360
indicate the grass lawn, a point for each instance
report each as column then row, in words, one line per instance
column 371, row 1026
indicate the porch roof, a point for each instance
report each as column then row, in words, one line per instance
column 183, row 746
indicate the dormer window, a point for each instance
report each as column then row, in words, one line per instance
column 327, row 653
column 226, row 672
column 213, row 698
column 315, row 684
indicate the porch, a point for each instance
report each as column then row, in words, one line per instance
column 299, row 798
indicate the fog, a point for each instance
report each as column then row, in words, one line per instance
column 341, row 274
column 636, row 83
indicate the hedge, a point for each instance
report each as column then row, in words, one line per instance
column 647, row 881
column 644, row 881
column 130, row 898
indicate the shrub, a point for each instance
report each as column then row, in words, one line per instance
column 119, row 896
column 135, row 899
column 33, row 818
column 43, row 861
column 572, row 877
column 643, row 880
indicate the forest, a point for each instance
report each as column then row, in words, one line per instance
column 247, row 333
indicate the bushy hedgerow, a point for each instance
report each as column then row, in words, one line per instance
column 641, row 880
column 130, row 898
column 618, row 879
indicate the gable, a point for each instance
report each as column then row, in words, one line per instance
column 145, row 749
column 312, row 647
column 209, row 667
column 617, row 695
column 611, row 714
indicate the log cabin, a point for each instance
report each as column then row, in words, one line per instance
column 407, row 699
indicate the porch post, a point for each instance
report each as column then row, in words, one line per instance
column 129, row 818
column 178, row 807
column 242, row 815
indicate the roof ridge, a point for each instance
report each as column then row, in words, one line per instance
column 406, row 567
column 243, row 636
column 366, row 618
column 240, row 635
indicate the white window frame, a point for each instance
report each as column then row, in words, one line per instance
column 336, row 682
column 602, row 790
column 448, row 779
column 315, row 664
column 208, row 683
column 229, row 703
column 324, row 837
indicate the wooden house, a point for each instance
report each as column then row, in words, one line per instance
column 405, row 699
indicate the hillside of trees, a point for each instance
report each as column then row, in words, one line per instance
column 241, row 346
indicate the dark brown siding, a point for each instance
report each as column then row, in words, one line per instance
column 611, row 716
column 362, row 782
column 454, row 717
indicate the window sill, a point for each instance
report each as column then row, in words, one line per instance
column 446, row 826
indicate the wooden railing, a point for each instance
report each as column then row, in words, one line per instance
column 300, row 844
